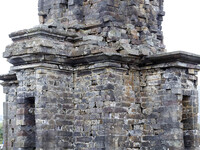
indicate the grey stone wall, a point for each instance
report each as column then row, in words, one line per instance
column 9, row 119
column 25, row 114
column 105, row 100
column 169, row 102
column 109, row 106
column 94, row 76
column 129, row 26
column 54, row 109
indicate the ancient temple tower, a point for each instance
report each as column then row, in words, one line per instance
column 94, row 75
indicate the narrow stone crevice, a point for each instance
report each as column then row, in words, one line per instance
column 187, row 121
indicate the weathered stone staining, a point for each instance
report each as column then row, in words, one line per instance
column 127, row 26
column 94, row 75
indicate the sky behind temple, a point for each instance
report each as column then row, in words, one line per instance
column 181, row 26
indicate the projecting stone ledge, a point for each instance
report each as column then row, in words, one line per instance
column 42, row 44
column 8, row 77
column 177, row 58
column 43, row 30
column 44, row 40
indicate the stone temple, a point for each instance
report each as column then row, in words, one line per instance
column 95, row 75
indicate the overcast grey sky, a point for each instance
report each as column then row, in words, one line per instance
column 14, row 15
column 181, row 26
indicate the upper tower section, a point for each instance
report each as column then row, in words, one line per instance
column 133, row 24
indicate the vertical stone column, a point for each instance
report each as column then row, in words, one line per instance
column 190, row 103
column 106, row 109
column 54, row 109
column 170, row 97
column 45, row 112
column 25, row 114
column 160, row 102
column 9, row 111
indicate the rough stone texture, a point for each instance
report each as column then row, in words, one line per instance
column 79, row 82
column 127, row 26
